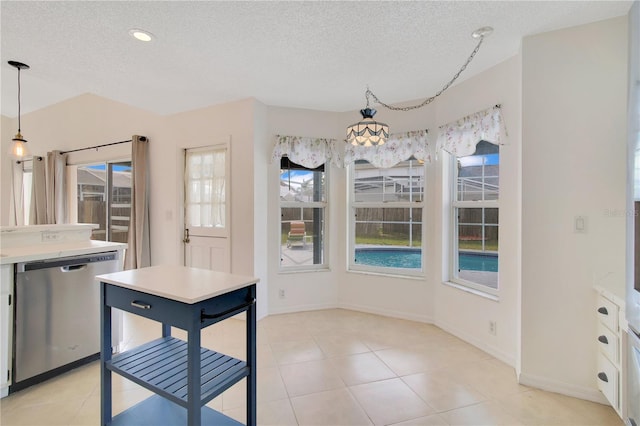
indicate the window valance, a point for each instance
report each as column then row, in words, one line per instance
column 399, row 147
column 460, row 137
column 308, row 152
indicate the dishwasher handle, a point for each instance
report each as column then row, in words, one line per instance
column 72, row 268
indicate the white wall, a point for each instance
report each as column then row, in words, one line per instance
column 574, row 163
column 8, row 129
column 260, row 201
column 465, row 314
column 308, row 290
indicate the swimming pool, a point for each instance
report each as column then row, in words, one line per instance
column 412, row 259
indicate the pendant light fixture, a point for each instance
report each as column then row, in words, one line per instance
column 367, row 132
column 370, row 133
column 18, row 149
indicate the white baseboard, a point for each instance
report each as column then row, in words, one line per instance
column 387, row 313
column 507, row 358
column 300, row 308
column 567, row 389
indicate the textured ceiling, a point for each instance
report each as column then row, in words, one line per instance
column 317, row 55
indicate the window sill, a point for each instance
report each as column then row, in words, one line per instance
column 420, row 276
column 302, row 271
column 474, row 291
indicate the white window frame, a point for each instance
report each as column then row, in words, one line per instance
column 324, row 205
column 453, row 231
column 352, row 266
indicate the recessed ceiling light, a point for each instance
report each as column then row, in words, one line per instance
column 141, row 35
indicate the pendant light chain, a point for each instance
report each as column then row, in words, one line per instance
column 432, row 98
column 18, row 99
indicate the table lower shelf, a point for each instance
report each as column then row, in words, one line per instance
column 161, row 366
column 156, row 410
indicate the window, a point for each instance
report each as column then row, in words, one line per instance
column 205, row 191
column 474, row 261
column 104, row 198
column 303, row 203
column 387, row 215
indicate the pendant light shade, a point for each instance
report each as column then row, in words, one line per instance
column 367, row 132
column 18, row 149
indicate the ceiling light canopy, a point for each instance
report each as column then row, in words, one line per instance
column 369, row 132
column 18, row 149
column 141, row 35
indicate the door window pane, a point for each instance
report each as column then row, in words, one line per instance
column 205, row 188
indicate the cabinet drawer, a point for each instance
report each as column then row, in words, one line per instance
column 607, row 377
column 149, row 306
column 608, row 313
column 609, row 342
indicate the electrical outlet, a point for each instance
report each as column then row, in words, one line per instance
column 281, row 293
column 492, row 328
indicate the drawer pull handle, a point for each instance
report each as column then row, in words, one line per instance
column 603, row 339
column 140, row 305
column 603, row 377
column 603, row 310
column 632, row 422
column 237, row 309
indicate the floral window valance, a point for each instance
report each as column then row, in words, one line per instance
column 308, row 152
column 460, row 137
column 399, row 147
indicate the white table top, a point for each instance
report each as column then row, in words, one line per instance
column 180, row 283
column 54, row 250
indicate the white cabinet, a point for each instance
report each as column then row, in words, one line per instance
column 609, row 338
column 6, row 327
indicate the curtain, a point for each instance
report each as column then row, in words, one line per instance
column 138, row 253
column 16, row 203
column 308, row 152
column 399, row 147
column 56, row 187
column 38, row 211
column 460, row 137
column 205, row 174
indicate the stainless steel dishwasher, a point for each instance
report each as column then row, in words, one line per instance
column 57, row 315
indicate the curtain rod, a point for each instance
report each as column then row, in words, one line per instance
column 142, row 138
column 29, row 159
column 94, row 147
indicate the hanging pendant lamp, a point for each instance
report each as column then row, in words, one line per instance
column 18, row 149
column 371, row 133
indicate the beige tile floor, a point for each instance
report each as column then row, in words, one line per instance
column 332, row 367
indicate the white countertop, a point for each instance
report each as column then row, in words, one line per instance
column 618, row 299
column 181, row 283
column 51, row 227
column 53, row 250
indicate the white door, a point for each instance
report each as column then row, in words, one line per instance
column 207, row 208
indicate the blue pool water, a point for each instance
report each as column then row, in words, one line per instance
column 412, row 258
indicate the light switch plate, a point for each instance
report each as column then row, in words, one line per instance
column 580, row 224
